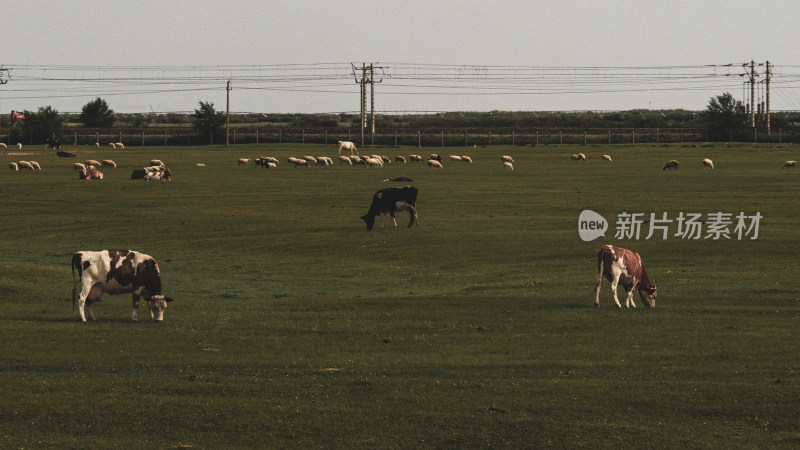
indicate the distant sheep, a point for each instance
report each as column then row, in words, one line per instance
column 91, row 174
column 35, row 165
column 507, row 158
column 108, row 163
column 112, row 145
column 25, row 165
column 790, row 164
column 508, row 165
column 581, row 157
column 119, row 145
column 156, row 162
column 242, row 161
column 435, row 157
column 399, row 158
column 415, row 158
column 348, row 146
column 345, row 160
column 13, row 166
column 2, row 145
column 708, row 164
column 374, row 162
column 466, row 159
column 356, row 159
column 92, row 162
column 671, row 164
column 455, row 158
column 298, row 162
column 434, row 164
column 200, row 165
column 607, row 158
column 79, row 166
column 310, row 159
column 19, row 145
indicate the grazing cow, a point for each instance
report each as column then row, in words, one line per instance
column 347, row 145
column 622, row 266
column 708, row 164
column 392, row 200
column 55, row 144
column 117, row 272
column 671, row 164
column 790, row 164
column 90, row 174
column 607, row 158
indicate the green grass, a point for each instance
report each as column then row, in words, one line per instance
column 295, row 327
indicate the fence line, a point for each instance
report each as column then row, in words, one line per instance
column 415, row 137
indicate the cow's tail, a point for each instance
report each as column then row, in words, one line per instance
column 76, row 265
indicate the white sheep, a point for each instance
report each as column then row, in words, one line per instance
column 434, row 164
column 507, row 158
column 790, row 164
column 271, row 159
column 607, row 158
column 35, row 165
column 112, row 145
column 415, row 158
column 466, row 159
column 13, row 166
column 200, row 165
column 156, row 162
column 119, row 145
column 79, row 166
column 508, row 165
column 25, row 165
column 400, row 158
column 345, row 160
column 374, row 162
column 3, row 145
column 108, row 163
column 244, row 161
column 19, row 145
column 455, row 158
column 310, row 159
column 92, row 162
column 708, row 164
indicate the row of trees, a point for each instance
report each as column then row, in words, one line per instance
column 724, row 116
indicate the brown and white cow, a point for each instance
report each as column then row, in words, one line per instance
column 117, row 272
column 622, row 266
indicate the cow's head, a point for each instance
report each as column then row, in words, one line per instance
column 369, row 219
column 157, row 305
column 648, row 295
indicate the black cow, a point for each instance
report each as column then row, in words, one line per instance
column 392, row 200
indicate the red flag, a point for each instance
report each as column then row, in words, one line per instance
column 17, row 115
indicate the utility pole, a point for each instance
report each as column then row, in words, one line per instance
column 228, row 113
column 768, row 74
column 2, row 71
column 367, row 76
column 752, row 93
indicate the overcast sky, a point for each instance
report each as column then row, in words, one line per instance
column 510, row 52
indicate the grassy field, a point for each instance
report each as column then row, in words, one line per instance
column 294, row 327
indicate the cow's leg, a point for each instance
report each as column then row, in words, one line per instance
column 614, row 284
column 382, row 214
column 135, row 307
column 412, row 216
column 394, row 220
column 85, row 290
column 629, row 300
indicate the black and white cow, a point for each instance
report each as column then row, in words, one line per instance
column 118, row 272
column 392, row 200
